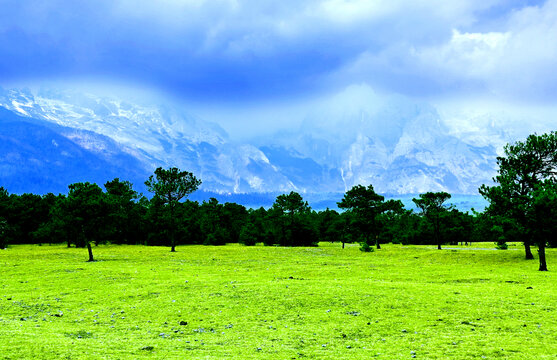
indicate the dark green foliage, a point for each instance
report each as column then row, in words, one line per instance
column 4, row 211
column 431, row 205
column 249, row 235
column 331, row 227
column 55, row 229
column 23, row 214
column 501, row 243
column 87, row 209
column 365, row 247
column 158, row 222
column 221, row 224
column 527, row 173
column 365, row 206
column 408, row 227
column 212, row 226
column 125, row 214
column 170, row 186
column 233, row 218
column 543, row 217
column 261, row 230
column 189, row 227
column 522, row 208
column 456, row 226
column 82, row 217
column 3, row 232
column 290, row 222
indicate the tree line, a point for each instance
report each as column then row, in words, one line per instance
column 522, row 207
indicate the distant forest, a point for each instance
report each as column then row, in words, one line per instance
column 522, row 207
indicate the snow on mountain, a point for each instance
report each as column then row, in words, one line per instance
column 399, row 146
column 38, row 157
column 155, row 135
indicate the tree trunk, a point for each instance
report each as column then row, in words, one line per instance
column 437, row 232
column 437, row 238
column 377, row 242
column 172, row 228
column 541, row 253
column 343, row 244
column 90, row 250
column 529, row 255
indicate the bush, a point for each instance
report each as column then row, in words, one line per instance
column 365, row 247
column 501, row 243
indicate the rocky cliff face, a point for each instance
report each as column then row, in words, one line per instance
column 53, row 138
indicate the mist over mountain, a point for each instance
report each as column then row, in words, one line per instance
column 401, row 147
column 52, row 138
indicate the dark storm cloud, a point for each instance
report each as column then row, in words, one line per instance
column 242, row 50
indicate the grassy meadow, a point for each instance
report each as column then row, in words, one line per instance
column 400, row 302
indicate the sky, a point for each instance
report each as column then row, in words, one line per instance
column 252, row 63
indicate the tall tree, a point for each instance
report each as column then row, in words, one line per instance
column 431, row 205
column 330, row 226
column 171, row 186
column 59, row 227
column 527, row 169
column 291, row 204
column 212, row 224
column 366, row 205
column 124, row 211
column 87, row 207
column 290, row 215
column 27, row 213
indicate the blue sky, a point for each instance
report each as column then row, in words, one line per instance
column 248, row 54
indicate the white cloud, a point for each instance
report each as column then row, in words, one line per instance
column 472, row 56
column 351, row 11
column 516, row 62
column 419, row 47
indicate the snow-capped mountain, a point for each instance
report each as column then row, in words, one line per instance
column 39, row 157
column 154, row 135
column 400, row 147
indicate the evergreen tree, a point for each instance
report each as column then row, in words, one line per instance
column 171, row 186
column 431, row 205
column 365, row 205
column 526, row 171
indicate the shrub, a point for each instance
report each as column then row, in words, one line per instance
column 365, row 247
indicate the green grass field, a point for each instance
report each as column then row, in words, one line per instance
column 401, row 302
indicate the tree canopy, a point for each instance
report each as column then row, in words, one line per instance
column 527, row 171
column 364, row 204
column 171, row 186
column 431, row 205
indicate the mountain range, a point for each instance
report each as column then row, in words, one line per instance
column 51, row 138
